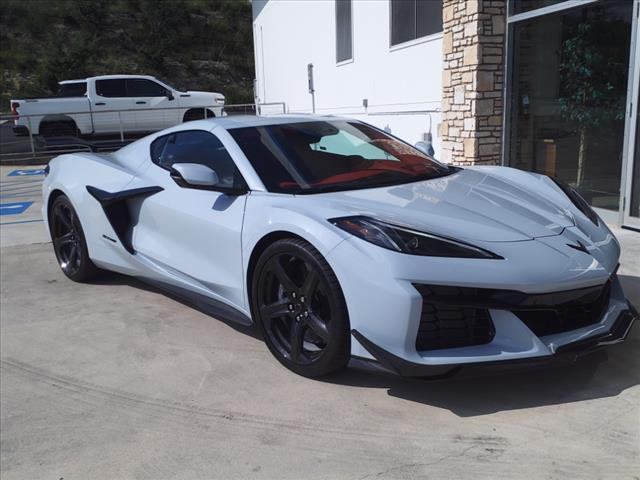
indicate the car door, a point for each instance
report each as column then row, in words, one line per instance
column 156, row 107
column 194, row 231
column 112, row 110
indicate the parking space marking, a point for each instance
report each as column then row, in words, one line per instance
column 22, row 221
column 14, row 208
column 26, row 172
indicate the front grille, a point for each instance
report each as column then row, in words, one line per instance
column 564, row 317
column 444, row 326
column 459, row 316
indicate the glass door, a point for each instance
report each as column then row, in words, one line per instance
column 631, row 178
column 568, row 81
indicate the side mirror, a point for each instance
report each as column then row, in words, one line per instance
column 194, row 174
column 170, row 95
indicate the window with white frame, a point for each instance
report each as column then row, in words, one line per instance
column 344, row 39
column 413, row 19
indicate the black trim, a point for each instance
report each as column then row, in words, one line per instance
column 502, row 299
column 204, row 303
column 116, row 209
column 543, row 313
column 567, row 353
column 106, row 237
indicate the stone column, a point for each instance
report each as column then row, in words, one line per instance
column 472, row 81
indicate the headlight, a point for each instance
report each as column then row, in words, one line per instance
column 579, row 202
column 405, row 240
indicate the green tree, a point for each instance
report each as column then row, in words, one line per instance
column 195, row 44
column 593, row 77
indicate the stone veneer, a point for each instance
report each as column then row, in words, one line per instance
column 472, row 81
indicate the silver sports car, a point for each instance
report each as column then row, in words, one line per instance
column 339, row 240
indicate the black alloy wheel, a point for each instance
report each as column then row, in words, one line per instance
column 69, row 243
column 301, row 309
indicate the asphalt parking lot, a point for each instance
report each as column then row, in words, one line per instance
column 115, row 380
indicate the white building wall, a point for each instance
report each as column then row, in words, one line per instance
column 289, row 34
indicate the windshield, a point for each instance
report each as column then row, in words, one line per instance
column 310, row 157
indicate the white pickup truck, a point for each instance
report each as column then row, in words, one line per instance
column 112, row 104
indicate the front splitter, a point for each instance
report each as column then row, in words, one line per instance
column 565, row 354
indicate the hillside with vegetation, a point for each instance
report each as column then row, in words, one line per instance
column 192, row 44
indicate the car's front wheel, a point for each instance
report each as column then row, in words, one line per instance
column 300, row 308
column 69, row 243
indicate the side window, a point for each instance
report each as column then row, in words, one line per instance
column 197, row 146
column 76, row 89
column 111, row 88
column 157, row 148
column 140, row 87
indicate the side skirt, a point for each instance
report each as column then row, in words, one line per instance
column 206, row 304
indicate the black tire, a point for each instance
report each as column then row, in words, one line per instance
column 69, row 242
column 59, row 129
column 197, row 114
column 298, row 303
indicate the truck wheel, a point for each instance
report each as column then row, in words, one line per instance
column 197, row 114
column 59, row 129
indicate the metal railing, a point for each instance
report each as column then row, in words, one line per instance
column 121, row 128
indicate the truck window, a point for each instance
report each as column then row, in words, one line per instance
column 140, row 87
column 72, row 89
column 111, row 88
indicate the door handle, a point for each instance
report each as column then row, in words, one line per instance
column 100, row 103
column 140, row 103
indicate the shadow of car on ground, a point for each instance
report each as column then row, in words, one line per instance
column 605, row 373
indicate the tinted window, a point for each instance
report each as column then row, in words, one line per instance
column 157, row 148
column 310, row 157
column 412, row 19
column 111, row 88
column 519, row 6
column 72, row 89
column 140, row 87
column 196, row 146
column 343, row 31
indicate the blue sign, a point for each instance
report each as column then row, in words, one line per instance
column 14, row 208
column 26, row 173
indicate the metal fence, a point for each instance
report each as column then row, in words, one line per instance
column 120, row 128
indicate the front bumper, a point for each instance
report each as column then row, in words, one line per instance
column 567, row 353
column 387, row 307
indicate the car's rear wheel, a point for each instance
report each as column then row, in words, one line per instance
column 300, row 308
column 69, row 242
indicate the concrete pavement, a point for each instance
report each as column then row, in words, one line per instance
column 115, row 380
